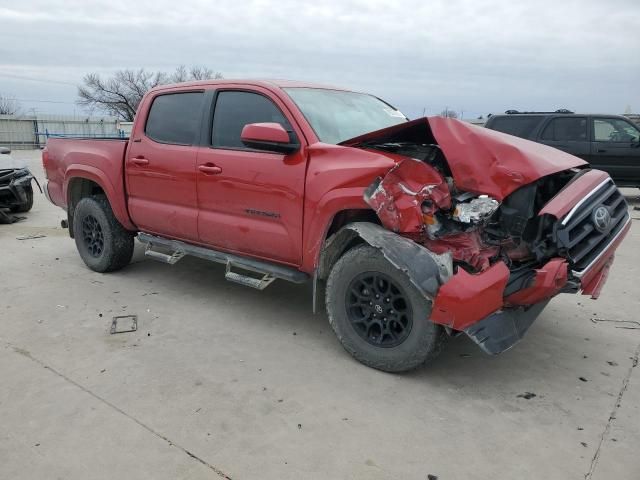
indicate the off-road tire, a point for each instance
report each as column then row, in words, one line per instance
column 24, row 207
column 425, row 340
column 117, row 243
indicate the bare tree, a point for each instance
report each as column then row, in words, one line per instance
column 448, row 113
column 179, row 75
column 203, row 73
column 121, row 94
column 8, row 105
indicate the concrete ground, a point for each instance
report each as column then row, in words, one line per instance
column 221, row 381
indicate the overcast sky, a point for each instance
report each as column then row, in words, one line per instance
column 477, row 56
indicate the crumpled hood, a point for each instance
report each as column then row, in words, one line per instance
column 481, row 160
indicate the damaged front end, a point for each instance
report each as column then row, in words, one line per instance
column 512, row 242
column 16, row 194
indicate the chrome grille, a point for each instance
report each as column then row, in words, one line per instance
column 592, row 225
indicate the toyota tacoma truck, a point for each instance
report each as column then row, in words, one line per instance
column 414, row 231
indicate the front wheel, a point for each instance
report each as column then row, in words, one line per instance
column 103, row 243
column 378, row 315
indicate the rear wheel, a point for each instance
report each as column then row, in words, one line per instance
column 378, row 315
column 26, row 206
column 103, row 243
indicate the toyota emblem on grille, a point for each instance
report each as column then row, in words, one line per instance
column 601, row 219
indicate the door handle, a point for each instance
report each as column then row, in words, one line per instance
column 601, row 150
column 140, row 161
column 210, row 169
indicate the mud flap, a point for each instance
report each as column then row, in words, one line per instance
column 426, row 270
column 502, row 330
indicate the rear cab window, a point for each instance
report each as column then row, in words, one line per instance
column 174, row 118
column 519, row 125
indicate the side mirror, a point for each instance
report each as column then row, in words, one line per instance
column 268, row 136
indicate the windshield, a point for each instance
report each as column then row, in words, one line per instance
column 337, row 116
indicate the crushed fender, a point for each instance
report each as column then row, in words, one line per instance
column 426, row 270
column 403, row 196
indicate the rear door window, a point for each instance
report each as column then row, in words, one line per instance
column 570, row 129
column 175, row 118
column 518, row 125
column 236, row 109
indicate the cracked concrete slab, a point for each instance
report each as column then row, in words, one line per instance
column 254, row 385
column 51, row 428
column 617, row 455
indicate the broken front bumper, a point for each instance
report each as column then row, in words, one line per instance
column 502, row 330
column 13, row 184
column 594, row 278
column 495, row 315
column 476, row 305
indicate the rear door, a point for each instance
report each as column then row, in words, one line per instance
column 569, row 134
column 615, row 149
column 161, row 165
column 250, row 201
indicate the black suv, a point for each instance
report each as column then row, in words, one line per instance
column 608, row 142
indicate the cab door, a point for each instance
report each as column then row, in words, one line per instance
column 161, row 165
column 616, row 149
column 250, row 201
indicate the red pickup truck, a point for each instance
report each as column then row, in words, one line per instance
column 416, row 230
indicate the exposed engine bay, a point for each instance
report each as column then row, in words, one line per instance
column 419, row 198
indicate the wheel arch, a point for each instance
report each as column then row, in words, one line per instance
column 85, row 181
column 337, row 240
column 425, row 269
column 77, row 189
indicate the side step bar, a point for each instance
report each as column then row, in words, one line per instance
column 269, row 271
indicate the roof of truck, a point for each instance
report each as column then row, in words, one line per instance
column 267, row 83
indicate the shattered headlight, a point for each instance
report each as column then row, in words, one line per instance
column 476, row 209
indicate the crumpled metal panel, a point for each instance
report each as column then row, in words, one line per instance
column 481, row 160
column 549, row 280
column 467, row 297
column 398, row 197
column 465, row 247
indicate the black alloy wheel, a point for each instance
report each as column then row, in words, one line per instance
column 92, row 236
column 378, row 310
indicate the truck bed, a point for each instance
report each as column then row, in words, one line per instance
column 91, row 158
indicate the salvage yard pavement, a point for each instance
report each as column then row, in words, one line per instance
column 221, row 381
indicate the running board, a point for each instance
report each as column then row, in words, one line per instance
column 249, row 281
column 163, row 257
column 178, row 249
